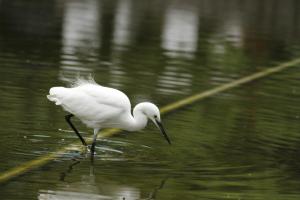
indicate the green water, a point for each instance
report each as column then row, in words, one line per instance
column 243, row 143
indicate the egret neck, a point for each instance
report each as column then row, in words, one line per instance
column 139, row 120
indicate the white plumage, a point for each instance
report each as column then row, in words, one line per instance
column 94, row 105
column 102, row 107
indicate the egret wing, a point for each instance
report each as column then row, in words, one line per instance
column 92, row 104
column 106, row 96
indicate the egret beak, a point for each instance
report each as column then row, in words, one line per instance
column 162, row 130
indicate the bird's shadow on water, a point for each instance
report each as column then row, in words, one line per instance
column 64, row 174
column 154, row 192
column 75, row 162
column 76, row 157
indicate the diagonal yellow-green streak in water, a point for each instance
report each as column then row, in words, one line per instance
column 38, row 162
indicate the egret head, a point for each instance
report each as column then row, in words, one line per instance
column 152, row 112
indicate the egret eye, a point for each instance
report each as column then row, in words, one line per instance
column 155, row 116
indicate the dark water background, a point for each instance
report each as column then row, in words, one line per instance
column 240, row 144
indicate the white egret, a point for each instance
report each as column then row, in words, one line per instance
column 103, row 107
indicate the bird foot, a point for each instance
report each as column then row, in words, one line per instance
column 89, row 150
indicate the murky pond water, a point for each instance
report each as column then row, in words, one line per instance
column 243, row 143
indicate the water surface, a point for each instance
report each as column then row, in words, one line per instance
column 240, row 144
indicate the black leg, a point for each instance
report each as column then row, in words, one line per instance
column 68, row 119
column 94, row 143
column 93, row 151
column 93, row 148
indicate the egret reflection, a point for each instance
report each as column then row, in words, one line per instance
column 90, row 186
